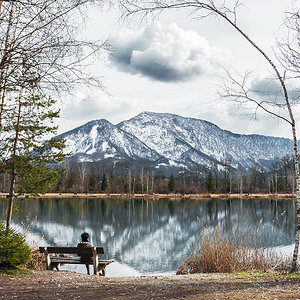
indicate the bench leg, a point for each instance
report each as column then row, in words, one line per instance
column 103, row 273
column 54, row 265
column 96, row 270
column 47, row 259
column 95, row 261
column 102, row 270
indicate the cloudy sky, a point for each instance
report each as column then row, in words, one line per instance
column 175, row 64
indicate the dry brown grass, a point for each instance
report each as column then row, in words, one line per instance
column 221, row 255
column 37, row 260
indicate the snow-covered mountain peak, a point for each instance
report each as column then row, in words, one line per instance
column 168, row 140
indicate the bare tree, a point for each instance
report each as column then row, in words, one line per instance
column 40, row 53
column 47, row 32
column 290, row 46
column 237, row 90
column 239, row 179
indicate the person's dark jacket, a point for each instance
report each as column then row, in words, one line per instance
column 84, row 257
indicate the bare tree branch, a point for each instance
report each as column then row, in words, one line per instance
column 207, row 8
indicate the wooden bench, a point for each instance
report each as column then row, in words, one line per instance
column 54, row 261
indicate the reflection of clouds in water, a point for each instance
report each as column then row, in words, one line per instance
column 282, row 250
column 115, row 269
column 33, row 240
column 76, row 268
column 55, row 234
column 151, row 245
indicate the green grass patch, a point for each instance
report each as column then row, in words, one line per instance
column 15, row 271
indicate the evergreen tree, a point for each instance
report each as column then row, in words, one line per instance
column 70, row 181
column 210, row 184
column 104, row 183
column 25, row 149
column 172, row 184
column 92, row 183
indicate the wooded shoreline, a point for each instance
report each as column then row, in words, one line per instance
column 159, row 196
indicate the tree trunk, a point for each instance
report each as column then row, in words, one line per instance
column 4, row 64
column 291, row 122
column 142, row 180
column 223, row 12
column 10, row 197
column 129, row 182
column 296, row 249
column 147, row 186
column 13, row 165
column 152, row 183
column 133, row 185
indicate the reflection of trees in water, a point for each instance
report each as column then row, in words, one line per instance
column 157, row 235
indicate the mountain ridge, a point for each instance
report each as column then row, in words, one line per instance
column 164, row 140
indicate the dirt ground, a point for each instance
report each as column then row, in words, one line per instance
column 69, row 285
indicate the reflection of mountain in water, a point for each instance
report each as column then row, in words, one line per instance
column 155, row 236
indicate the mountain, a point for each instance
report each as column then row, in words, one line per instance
column 163, row 140
column 101, row 140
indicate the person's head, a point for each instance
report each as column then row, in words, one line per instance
column 85, row 237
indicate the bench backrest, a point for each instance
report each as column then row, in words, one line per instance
column 72, row 250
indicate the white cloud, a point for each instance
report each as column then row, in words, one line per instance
column 168, row 54
column 238, row 119
column 83, row 109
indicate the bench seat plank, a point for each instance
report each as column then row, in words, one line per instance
column 75, row 260
column 71, row 250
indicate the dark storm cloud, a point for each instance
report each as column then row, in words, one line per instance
column 271, row 88
column 167, row 54
column 266, row 86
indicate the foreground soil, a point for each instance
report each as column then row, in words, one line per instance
column 69, row 285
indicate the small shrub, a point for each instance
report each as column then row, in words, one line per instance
column 221, row 255
column 13, row 249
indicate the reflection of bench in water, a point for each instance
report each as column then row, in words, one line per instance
column 54, row 261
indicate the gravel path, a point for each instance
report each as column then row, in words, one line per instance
column 69, row 285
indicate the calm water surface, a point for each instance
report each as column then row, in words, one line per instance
column 150, row 237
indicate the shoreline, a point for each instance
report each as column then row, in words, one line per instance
column 159, row 196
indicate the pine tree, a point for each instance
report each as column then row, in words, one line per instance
column 172, row 184
column 210, row 184
column 92, row 183
column 26, row 150
column 104, row 183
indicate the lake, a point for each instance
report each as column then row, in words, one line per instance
column 151, row 237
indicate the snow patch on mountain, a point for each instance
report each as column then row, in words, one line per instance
column 93, row 136
column 168, row 140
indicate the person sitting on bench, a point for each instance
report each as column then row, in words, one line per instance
column 85, row 258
